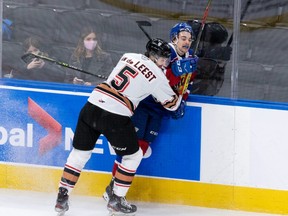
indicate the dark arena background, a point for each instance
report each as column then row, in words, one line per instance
column 260, row 62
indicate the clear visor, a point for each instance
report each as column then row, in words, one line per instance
column 162, row 61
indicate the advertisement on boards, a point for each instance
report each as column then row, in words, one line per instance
column 37, row 127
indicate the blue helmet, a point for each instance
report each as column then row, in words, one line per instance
column 179, row 27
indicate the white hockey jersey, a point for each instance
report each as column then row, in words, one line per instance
column 134, row 78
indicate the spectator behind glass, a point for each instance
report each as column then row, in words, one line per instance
column 38, row 69
column 89, row 56
column 7, row 28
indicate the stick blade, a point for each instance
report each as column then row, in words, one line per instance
column 143, row 23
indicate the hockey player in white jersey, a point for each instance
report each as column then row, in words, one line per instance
column 108, row 111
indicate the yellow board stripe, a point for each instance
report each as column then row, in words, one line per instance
column 46, row 179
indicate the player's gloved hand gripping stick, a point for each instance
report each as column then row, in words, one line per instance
column 187, row 77
column 184, row 66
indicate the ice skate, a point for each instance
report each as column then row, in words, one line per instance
column 62, row 204
column 109, row 191
column 119, row 206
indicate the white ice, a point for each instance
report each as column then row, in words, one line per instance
column 27, row 203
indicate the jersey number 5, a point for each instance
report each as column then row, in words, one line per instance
column 122, row 79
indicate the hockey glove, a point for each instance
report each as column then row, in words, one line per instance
column 179, row 113
column 184, row 66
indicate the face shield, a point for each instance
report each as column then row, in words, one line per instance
column 162, row 62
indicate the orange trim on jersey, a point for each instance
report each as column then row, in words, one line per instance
column 172, row 103
column 105, row 88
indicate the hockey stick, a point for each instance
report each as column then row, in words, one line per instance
column 29, row 56
column 144, row 23
column 187, row 77
column 202, row 26
column 241, row 18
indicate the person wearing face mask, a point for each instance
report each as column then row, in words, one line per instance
column 88, row 56
column 149, row 114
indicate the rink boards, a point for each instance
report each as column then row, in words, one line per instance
column 223, row 153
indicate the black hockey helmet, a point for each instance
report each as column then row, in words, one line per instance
column 158, row 47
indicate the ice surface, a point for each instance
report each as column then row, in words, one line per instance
column 27, row 203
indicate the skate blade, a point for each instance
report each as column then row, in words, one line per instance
column 61, row 213
column 113, row 213
column 106, row 197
